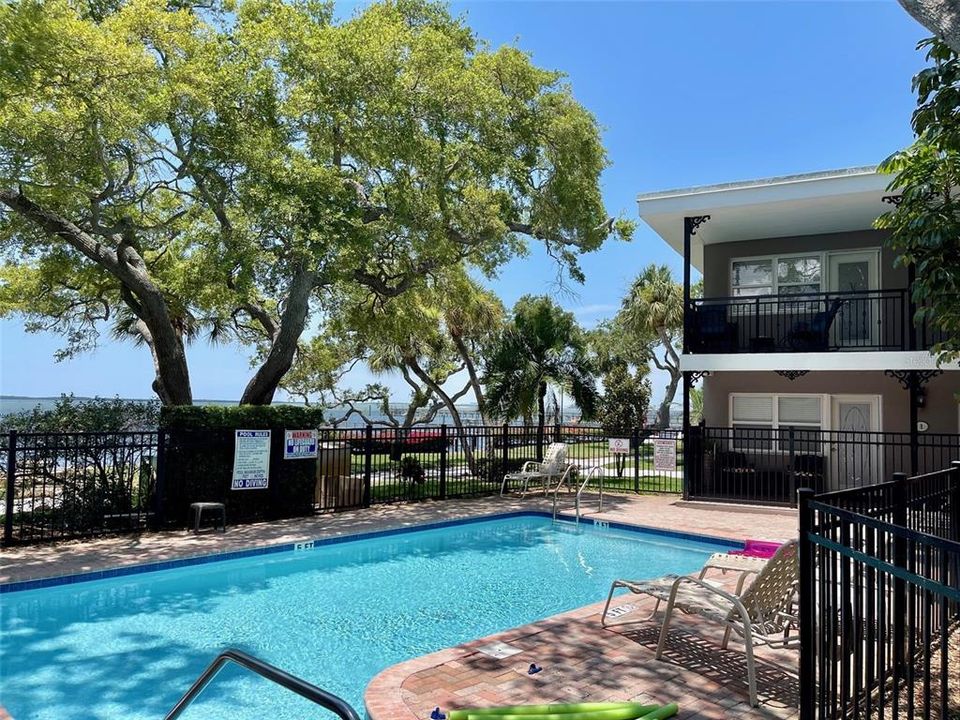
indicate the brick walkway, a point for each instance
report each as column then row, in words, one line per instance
column 580, row 660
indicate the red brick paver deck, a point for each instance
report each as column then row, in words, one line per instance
column 582, row 662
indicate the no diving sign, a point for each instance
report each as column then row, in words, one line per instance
column 620, row 446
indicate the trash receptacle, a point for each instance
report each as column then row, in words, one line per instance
column 333, row 474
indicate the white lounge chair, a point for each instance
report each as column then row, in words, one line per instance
column 724, row 562
column 554, row 465
column 760, row 614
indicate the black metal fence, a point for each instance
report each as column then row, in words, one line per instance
column 807, row 322
column 880, row 600
column 64, row 485
column 67, row 485
column 767, row 466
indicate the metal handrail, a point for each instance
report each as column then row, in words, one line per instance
column 329, row 701
column 564, row 479
column 583, row 485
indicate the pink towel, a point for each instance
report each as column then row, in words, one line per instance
column 758, row 549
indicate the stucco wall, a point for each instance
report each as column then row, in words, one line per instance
column 940, row 412
column 716, row 258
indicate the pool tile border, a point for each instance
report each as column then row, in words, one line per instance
column 93, row 575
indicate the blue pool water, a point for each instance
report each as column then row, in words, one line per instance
column 128, row 647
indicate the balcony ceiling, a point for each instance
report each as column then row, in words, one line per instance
column 810, row 204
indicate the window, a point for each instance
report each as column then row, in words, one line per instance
column 761, row 422
column 785, row 275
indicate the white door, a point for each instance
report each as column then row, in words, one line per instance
column 856, row 447
column 857, row 319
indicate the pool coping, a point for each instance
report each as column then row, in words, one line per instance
column 206, row 558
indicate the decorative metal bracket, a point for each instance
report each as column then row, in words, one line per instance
column 915, row 378
column 698, row 374
column 696, row 221
column 892, row 199
column 791, row 375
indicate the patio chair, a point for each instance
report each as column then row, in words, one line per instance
column 554, row 465
column 760, row 614
column 814, row 336
column 713, row 331
column 733, row 561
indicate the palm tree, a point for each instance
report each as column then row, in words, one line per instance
column 543, row 345
column 652, row 312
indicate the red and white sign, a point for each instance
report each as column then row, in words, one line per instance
column 620, row 446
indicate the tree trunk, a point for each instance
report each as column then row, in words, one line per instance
column 475, row 383
column 541, row 416
column 145, row 299
column 940, row 17
column 663, row 412
column 263, row 385
column 451, row 408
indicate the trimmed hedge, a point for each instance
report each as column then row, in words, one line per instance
column 199, row 454
column 239, row 417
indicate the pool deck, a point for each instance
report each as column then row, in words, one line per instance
column 581, row 661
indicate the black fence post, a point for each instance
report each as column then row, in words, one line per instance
column 557, row 433
column 160, row 482
column 539, row 442
column 808, row 655
column 955, row 520
column 900, row 561
column 791, row 444
column 635, row 444
column 367, row 465
column 11, row 486
column 505, row 451
column 443, row 461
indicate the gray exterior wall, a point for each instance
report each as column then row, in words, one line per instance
column 940, row 412
column 716, row 258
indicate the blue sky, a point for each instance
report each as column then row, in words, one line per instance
column 688, row 94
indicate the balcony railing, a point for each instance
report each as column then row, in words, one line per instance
column 857, row 320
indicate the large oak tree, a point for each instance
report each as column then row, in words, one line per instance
column 179, row 171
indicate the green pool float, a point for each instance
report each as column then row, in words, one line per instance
column 567, row 711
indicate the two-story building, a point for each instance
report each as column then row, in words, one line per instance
column 813, row 371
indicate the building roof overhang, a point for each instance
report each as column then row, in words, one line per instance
column 788, row 206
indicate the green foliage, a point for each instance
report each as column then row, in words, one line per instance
column 653, row 307
column 411, row 470
column 696, row 405
column 543, row 344
column 626, row 398
column 94, row 415
column 925, row 225
column 650, row 326
column 238, row 146
column 240, row 417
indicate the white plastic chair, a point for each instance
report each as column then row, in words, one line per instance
column 553, row 466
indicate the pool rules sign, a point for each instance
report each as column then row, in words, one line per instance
column 251, row 460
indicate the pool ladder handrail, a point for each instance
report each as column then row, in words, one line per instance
column 338, row 706
column 586, row 481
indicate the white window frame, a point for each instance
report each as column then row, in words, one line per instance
column 774, row 261
column 823, row 256
column 774, row 424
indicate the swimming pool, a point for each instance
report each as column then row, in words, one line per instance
column 128, row 647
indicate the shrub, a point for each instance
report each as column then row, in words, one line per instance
column 199, row 462
column 90, row 415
